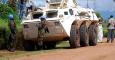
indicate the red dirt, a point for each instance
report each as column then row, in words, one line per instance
column 103, row 51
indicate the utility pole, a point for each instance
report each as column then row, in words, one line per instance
column 94, row 3
column 113, row 3
column 87, row 4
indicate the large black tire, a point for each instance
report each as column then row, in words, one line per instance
column 84, row 38
column 74, row 37
column 92, row 35
column 49, row 45
column 29, row 45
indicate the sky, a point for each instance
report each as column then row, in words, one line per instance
column 101, row 5
column 104, row 7
column 40, row 2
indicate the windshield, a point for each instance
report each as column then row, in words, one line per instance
column 37, row 15
column 51, row 14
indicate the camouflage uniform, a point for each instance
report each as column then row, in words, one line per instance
column 42, row 29
column 12, row 37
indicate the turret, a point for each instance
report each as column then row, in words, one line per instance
column 54, row 4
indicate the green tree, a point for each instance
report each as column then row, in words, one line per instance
column 12, row 4
column 98, row 14
column 5, row 10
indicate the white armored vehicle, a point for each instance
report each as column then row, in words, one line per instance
column 64, row 20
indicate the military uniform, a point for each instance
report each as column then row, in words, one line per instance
column 42, row 29
column 12, row 37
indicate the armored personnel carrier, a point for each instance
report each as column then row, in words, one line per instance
column 63, row 20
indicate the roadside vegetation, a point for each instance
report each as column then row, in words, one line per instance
column 105, row 32
column 4, row 30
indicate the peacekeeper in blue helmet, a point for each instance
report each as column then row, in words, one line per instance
column 44, row 24
column 12, row 37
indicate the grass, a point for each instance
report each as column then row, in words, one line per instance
column 4, row 23
column 63, row 44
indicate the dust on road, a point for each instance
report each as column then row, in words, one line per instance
column 103, row 51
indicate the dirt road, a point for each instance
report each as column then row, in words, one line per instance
column 103, row 51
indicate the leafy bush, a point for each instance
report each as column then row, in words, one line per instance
column 98, row 14
column 5, row 10
column 3, row 34
column 105, row 32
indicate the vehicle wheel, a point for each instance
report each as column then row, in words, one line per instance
column 92, row 35
column 49, row 45
column 29, row 45
column 84, row 40
column 74, row 37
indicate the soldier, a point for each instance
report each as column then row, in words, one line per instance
column 44, row 25
column 12, row 37
column 42, row 29
column 30, row 6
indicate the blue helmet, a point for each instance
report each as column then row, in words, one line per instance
column 11, row 17
column 42, row 18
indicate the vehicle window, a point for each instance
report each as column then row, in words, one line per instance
column 65, row 13
column 84, row 14
column 71, row 11
column 54, row 1
column 37, row 16
column 51, row 14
